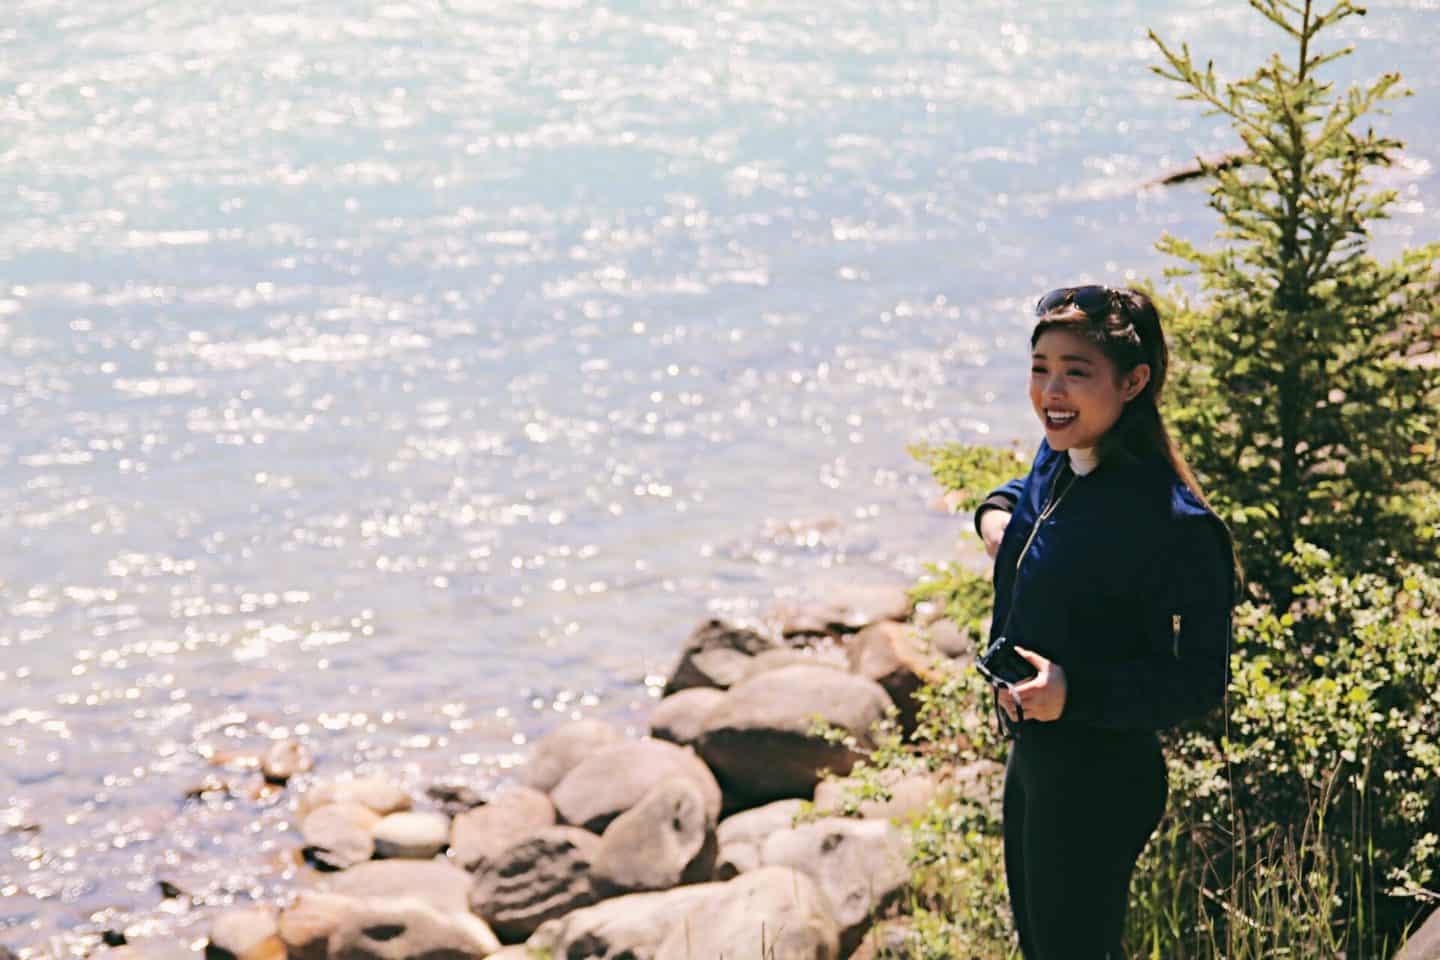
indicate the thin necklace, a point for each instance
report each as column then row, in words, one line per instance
column 1045, row 514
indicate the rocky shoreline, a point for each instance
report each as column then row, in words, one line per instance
column 717, row 835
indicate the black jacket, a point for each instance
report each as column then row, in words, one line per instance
column 1128, row 585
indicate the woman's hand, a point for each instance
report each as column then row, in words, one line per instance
column 992, row 529
column 1042, row 697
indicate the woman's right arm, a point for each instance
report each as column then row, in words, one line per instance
column 993, row 514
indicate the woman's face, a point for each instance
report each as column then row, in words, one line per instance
column 1076, row 391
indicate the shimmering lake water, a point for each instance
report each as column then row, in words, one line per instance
column 411, row 376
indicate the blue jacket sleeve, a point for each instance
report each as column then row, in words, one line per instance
column 1184, row 673
column 1003, row 497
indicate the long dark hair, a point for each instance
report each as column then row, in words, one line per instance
column 1125, row 325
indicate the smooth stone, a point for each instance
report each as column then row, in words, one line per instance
column 631, row 927
column 862, row 866
column 455, row 798
column 760, row 740
column 411, row 835
column 944, row 636
column 339, row 835
column 911, row 795
column 331, row 926
column 829, row 655
column 483, row 833
column 666, row 840
column 842, row 608
column 774, row 912
column 439, row 883
column 248, row 933
column 680, row 717
column 537, row 879
column 381, row 796
column 890, row 654
column 613, row 779
column 889, row 940
column 284, row 760
column 716, row 655
column 742, row 836
column 1424, row 943
column 561, row 750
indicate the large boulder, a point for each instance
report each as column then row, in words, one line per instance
column 680, row 717
column 742, row 837
column 842, row 609
column 1424, row 943
column 537, row 879
column 246, row 933
column 328, row 926
column 442, row 885
column 558, row 752
column 339, row 835
column 624, row 928
column 890, row 940
column 892, row 655
column 716, row 655
column 664, row 841
column 513, row 814
column 774, row 912
column 861, row 865
column 374, row 793
column 911, row 795
column 826, row 654
column 614, row 778
column 760, row 742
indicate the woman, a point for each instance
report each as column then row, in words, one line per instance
column 1115, row 580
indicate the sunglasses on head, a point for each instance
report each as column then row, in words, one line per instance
column 1091, row 298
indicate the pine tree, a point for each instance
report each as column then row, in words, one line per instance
column 1307, row 396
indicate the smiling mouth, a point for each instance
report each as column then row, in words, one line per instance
column 1059, row 419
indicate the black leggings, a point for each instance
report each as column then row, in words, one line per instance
column 1079, row 807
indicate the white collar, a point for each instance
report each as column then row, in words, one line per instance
column 1083, row 460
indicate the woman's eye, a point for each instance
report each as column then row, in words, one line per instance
column 1076, row 373
column 1037, row 369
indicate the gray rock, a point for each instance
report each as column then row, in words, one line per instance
column 1424, row 943
column 248, row 933
column 557, row 753
column 889, row 940
column 330, row 926
column 716, row 655
column 613, row 779
column 455, row 798
column 741, row 837
column 843, row 609
column 944, row 636
column 824, row 655
column 890, row 654
column 910, row 795
column 439, row 883
column 773, row 912
column 411, row 835
column 537, row 879
column 339, row 835
column 513, row 814
column 624, row 928
column 680, row 716
column 861, row 865
column 284, row 760
column 381, row 796
column 664, row 841
column 759, row 741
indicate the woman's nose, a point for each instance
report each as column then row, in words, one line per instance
column 1054, row 386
